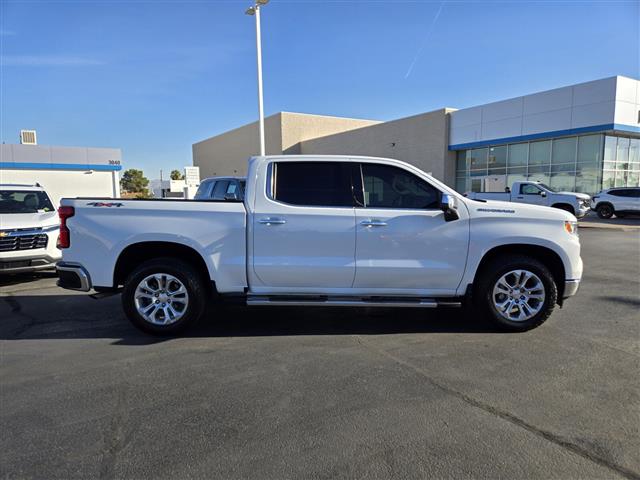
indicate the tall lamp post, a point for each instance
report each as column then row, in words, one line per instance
column 255, row 11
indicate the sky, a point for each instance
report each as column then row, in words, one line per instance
column 154, row 76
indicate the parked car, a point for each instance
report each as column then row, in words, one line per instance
column 221, row 188
column 537, row 193
column 617, row 201
column 28, row 229
column 323, row 231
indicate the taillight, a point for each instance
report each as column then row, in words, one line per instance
column 64, row 237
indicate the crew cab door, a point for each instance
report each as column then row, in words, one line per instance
column 404, row 245
column 304, row 228
column 530, row 193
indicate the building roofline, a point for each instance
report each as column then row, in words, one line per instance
column 548, row 90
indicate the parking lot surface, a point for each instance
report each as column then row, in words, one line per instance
column 325, row 393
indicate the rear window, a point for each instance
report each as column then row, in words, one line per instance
column 24, row 201
column 313, row 184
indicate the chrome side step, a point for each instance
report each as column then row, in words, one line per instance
column 328, row 301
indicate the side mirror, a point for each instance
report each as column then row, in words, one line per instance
column 449, row 207
column 543, row 194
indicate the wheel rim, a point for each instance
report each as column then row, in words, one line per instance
column 161, row 299
column 605, row 211
column 518, row 295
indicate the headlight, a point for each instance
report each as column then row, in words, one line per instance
column 571, row 227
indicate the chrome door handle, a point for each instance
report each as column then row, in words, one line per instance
column 373, row 223
column 272, row 221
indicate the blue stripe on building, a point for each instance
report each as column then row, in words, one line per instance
column 556, row 133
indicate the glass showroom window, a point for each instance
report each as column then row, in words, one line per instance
column 563, row 164
column 462, row 170
column 620, row 166
column 589, row 164
column 497, row 161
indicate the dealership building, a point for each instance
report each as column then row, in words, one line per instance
column 581, row 137
column 62, row 171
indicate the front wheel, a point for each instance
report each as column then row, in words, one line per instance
column 604, row 211
column 164, row 296
column 517, row 293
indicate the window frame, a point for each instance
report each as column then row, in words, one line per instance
column 408, row 172
column 271, row 182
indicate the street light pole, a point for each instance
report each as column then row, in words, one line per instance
column 255, row 11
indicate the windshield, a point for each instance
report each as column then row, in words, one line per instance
column 547, row 187
column 24, row 201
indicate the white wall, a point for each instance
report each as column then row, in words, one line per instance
column 67, row 183
column 600, row 102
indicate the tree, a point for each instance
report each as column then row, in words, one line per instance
column 176, row 175
column 134, row 181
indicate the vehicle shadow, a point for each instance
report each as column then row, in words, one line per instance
column 78, row 316
column 10, row 279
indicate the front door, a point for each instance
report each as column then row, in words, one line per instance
column 403, row 243
column 304, row 229
column 530, row 193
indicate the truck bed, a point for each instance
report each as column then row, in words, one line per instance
column 214, row 229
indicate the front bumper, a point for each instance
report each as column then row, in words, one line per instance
column 570, row 288
column 583, row 210
column 26, row 263
column 73, row 276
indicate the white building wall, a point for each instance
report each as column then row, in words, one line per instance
column 63, row 171
column 607, row 102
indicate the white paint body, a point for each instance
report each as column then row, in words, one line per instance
column 40, row 222
column 629, row 204
column 262, row 246
column 580, row 202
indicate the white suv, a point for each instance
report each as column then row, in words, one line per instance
column 29, row 228
column 618, row 201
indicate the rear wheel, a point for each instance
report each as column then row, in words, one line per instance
column 605, row 210
column 517, row 293
column 164, row 296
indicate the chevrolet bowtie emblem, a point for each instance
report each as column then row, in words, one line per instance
column 4, row 234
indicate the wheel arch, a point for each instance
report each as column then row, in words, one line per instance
column 545, row 255
column 565, row 206
column 137, row 253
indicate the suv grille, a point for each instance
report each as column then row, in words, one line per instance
column 27, row 241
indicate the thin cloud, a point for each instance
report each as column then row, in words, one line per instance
column 47, row 61
column 424, row 42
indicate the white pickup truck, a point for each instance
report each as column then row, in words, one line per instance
column 322, row 231
column 537, row 193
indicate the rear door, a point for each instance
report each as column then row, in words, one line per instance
column 304, row 228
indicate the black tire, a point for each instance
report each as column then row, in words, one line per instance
column 493, row 271
column 566, row 207
column 605, row 210
column 193, row 282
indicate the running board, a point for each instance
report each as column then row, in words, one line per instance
column 328, row 301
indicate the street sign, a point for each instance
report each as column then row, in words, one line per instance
column 192, row 176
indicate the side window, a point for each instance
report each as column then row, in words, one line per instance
column 529, row 189
column 386, row 186
column 220, row 189
column 315, row 184
column 204, row 190
column 618, row 193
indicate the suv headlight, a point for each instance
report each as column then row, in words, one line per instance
column 571, row 227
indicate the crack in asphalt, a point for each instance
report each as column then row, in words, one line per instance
column 16, row 309
column 116, row 436
column 507, row 416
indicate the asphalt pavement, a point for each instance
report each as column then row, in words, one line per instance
column 325, row 393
